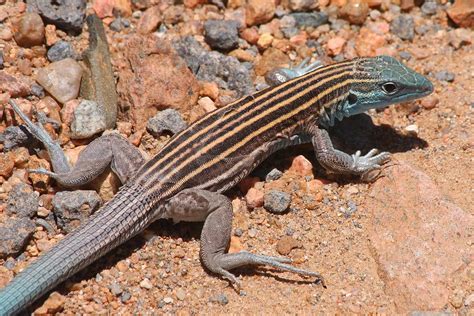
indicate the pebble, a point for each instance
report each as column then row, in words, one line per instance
column 276, row 201
column 301, row 166
column 220, row 299
column 66, row 15
column 315, row 19
column 6, row 165
column 429, row 7
column 403, row 26
column 444, row 75
column 429, row 102
column 253, row 232
column 22, row 201
column 168, row 120
column 462, row 13
column 125, row 297
column 274, row 174
column 29, row 30
column 286, row 244
column 37, row 90
column 115, row 289
column 116, row 25
column 15, row 86
column 254, row 198
column 180, row 294
column 61, row 79
column 5, row 33
column 405, row 55
column 457, row 298
column 15, row 235
column 146, row 284
column 150, row 20
column 355, row 11
column 168, row 300
column 60, row 51
column 258, row 12
column 89, row 119
column 221, row 34
column 412, row 129
column 335, row 45
column 71, row 208
column 54, row 304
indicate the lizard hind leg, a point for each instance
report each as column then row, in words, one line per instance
column 216, row 211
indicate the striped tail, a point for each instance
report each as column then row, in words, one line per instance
column 117, row 221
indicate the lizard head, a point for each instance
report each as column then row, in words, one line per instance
column 382, row 81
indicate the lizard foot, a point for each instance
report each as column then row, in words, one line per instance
column 368, row 164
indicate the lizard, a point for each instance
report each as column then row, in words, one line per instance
column 186, row 179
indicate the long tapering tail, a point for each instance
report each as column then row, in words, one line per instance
column 124, row 216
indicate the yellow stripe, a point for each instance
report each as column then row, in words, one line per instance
column 282, row 87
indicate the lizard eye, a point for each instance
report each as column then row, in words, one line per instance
column 352, row 99
column 389, row 88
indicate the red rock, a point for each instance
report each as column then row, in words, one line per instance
column 29, row 30
column 50, row 34
column 355, row 11
column 250, row 35
column 429, row 102
column 419, row 237
column 246, row 183
column 286, row 244
column 123, row 7
column 154, row 78
column 367, row 42
column 335, row 45
column 462, row 13
column 15, row 86
column 406, row 5
column 254, row 198
column 54, row 304
column 258, row 12
column 40, row 181
column 6, row 165
column 301, row 166
column 103, row 8
column 67, row 112
column 5, row 33
column 149, row 21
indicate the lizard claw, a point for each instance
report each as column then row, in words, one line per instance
column 371, row 161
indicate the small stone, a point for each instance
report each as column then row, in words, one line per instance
column 429, row 102
column 265, row 40
column 115, row 289
column 22, row 201
column 146, row 284
column 66, row 15
column 405, row 55
column 403, row 26
column 429, row 7
column 150, row 20
column 5, row 33
column 315, row 19
column 301, row 5
column 53, row 305
column 71, row 208
column 220, row 299
column 335, row 45
column 168, row 300
column 29, row 30
column 51, row 35
column 116, row 25
column 460, row 37
column 125, row 297
column 445, row 75
column 88, row 120
column 221, row 34
column 368, row 42
column 407, row 5
column 250, row 35
column 168, row 120
column 37, row 90
column 13, row 136
column 254, row 197
column 276, row 201
column 457, row 298
column 14, row 236
column 258, row 12
column 207, row 104
column 274, row 174
column 412, row 129
column 355, row 11
column 60, row 51
column 253, row 232
column 301, row 166
column 286, row 244
column 180, row 294
column 462, row 13
column 6, row 165
column 15, row 86
column 61, row 79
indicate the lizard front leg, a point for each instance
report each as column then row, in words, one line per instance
column 340, row 162
column 111, row 149
column 215, row 210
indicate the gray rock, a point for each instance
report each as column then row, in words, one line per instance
column 89, row 119
column 219, row 298
column 14, row 236
column 71, row 208
column 213, row 66
column 429, row 7
column 167, row 120
column 276, row 201
column 274, row 174
column 22, row 201
column 444, row 75
column 67, row 15
column 116, row 25
column 403, row 26
column 238, row 232
column 125, row 297
column 315, row 19
column 221, row 34
column 115, row 289
column 61, row 50
column 61, row 79
column 14, row 136
column 289, row 32
column 405, row 55
column 37, row 90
